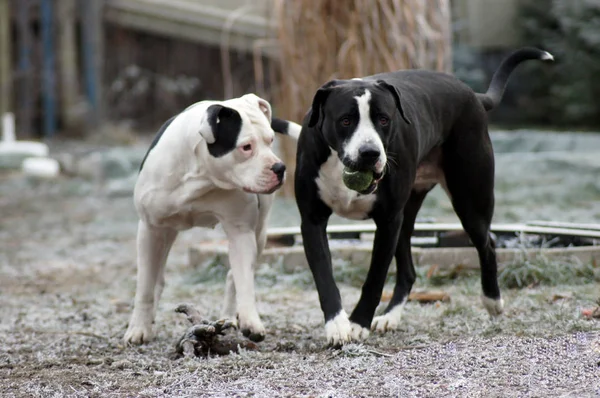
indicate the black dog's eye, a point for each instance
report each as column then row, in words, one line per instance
column 384, row 121
column 345, row 122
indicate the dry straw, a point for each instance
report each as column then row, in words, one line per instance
column 319, row 40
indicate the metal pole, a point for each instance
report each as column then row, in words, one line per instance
column 92, row 51
column 48, row 76
column 24, row 113
column 5, row 59
column 69, row 72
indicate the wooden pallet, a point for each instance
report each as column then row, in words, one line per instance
column 351, row 243
column 291, row 235
column 532, row 228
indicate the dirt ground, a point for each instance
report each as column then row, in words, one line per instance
column 67, row 278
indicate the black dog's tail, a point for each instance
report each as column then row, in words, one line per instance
column 493, row 96
column 286, row 127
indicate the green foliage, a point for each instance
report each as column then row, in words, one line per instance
column 568, row 92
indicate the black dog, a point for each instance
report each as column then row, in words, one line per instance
column 413, row 129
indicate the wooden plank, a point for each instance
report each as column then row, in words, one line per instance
column 293, row 258
column 565, row 225
column 439, row 227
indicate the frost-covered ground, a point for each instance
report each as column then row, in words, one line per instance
column 67, row 276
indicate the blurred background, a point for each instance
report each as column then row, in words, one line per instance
column 110, row 72
column 84, row 86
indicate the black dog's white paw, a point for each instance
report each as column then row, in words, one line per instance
column 340, row 330
column 388, row 321
column 494, row 307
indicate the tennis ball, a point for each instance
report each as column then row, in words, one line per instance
column 357, row 180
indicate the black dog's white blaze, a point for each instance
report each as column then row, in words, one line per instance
column 365, row 133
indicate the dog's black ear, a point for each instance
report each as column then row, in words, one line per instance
column 394, row 91
column 319, row 100
column 215, row 117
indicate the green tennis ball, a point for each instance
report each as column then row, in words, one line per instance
column 357, row 180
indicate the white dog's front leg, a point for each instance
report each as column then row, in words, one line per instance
column 229, row 304
column 153, row 245
column 242, row 255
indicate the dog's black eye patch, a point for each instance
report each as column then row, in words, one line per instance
column 226, row 124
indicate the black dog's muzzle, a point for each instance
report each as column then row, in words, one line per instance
column 365, row 163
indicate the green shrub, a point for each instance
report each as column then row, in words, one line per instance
column 568, row 92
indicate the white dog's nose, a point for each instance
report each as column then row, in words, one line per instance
column 279, row 170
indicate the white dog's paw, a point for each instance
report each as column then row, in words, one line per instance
column 251, row 327
column 138, row 334
column 494, row 307
column 388, row 321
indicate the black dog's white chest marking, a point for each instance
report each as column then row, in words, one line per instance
column 332, row 191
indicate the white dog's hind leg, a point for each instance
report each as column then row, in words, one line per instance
column 242, row 256
column 153, row 245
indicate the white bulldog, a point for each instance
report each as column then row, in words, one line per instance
column 212, row 163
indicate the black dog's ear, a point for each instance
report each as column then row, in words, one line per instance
column 319, row 100
column 396, row 94
column 214, row 117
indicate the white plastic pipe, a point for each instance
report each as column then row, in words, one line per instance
column 9, row 144
column 41, row 167
column 8, row 127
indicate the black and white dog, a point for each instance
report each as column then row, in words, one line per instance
column 212, row 163
column 413, row 129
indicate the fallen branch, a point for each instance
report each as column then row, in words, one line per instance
column 429, row 297
column 421, row 297
column 379, row 354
